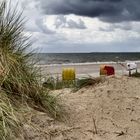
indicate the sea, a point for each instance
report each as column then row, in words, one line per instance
column 80, row 58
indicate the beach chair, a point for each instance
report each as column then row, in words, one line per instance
column 131, row 66
column 68, row 74
column 107, row 70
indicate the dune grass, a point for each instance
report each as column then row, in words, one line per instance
column 55, row 83
column 87, row 81
column 18, row 76
column 10, row 126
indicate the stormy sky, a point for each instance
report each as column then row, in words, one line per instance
column 83, row 25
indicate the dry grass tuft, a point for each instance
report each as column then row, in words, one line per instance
column 84, row 82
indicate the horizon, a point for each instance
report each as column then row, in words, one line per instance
column 79, row 52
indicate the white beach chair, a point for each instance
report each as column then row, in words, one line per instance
column 131, row 66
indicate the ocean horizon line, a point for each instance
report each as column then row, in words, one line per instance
column 81, row 52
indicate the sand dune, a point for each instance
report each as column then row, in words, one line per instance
column 107, row 111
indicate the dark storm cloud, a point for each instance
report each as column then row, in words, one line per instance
column 106, row 10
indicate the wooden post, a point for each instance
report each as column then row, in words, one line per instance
column 129, row 72
column 136, row 70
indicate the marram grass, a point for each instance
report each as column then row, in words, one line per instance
column 10, row 126
column 18, row 76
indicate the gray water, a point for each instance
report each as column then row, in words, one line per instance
column 66, row 58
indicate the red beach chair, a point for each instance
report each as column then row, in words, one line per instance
column 107, row 70
column 110, row 70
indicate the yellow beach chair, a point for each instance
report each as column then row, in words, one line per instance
column 68, row 74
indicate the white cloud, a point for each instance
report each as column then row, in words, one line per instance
column 73, row 33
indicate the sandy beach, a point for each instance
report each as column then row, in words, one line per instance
column 84, row 69
column 106, row 111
